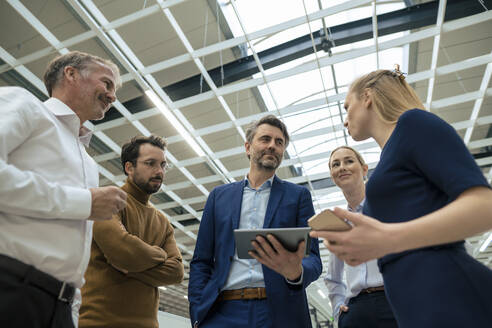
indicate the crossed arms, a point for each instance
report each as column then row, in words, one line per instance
column 154, row 265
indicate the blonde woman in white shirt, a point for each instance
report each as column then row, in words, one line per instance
column 360, row 302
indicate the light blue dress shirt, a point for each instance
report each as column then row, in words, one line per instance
column 358, row 278
column 249, row 273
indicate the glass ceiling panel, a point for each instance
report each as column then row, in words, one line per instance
column 257, row 15
column 317, row 83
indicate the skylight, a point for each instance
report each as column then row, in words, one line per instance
column 323, row 82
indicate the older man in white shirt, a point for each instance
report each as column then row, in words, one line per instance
column 48, row 191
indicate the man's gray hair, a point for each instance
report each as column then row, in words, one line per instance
column 270, row 120
column 78, row 60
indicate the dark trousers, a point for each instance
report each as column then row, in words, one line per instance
column 23, row 304
column 368, row 311
column 238, row 314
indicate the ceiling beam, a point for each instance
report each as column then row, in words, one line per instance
column 389, row 23
column 435, row 51
column 413, row 17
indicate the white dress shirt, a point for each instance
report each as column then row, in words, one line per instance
column 358, row 278
column 45, row 174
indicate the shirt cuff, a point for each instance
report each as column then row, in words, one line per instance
column 298, row 281
column 78, row 203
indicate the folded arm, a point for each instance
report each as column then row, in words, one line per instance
column 167, row 273
column 124, row 251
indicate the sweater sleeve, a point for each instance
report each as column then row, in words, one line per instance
column 171, row 271
column 124, row 250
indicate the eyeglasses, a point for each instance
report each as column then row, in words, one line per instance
column 165, row 166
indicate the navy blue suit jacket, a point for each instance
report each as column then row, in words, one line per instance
column 289, row 205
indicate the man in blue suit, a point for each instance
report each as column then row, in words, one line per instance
column 269, row 290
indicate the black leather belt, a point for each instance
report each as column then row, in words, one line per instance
column 370, row 290
column 59, row 289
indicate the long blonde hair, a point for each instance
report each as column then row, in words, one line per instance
column 391, row 95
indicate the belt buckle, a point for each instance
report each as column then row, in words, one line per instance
column 65, row 295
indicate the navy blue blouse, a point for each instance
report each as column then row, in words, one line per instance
column 423, row 166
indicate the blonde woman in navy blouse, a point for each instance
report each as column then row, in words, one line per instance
column 425, row 196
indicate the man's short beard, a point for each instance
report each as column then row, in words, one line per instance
column 147, row 188
column 261, row 164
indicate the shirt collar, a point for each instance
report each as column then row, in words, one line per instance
column 266, row 184
column 60, row 109
column 85, row 135
column 358, row 208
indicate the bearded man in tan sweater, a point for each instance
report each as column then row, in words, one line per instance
column 135, row 252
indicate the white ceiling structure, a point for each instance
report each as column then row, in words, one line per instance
column 199, row 71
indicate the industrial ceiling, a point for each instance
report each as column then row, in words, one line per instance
column 199, row 71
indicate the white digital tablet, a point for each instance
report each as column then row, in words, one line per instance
column 288, row 237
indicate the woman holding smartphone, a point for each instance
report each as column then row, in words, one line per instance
column 360, row 302
column 425, row 196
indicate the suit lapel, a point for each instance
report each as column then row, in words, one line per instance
column 236, row 202
column 276, row 195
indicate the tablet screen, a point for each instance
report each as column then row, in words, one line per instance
column 288, row 237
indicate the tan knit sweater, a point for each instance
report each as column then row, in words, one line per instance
column 132, row 254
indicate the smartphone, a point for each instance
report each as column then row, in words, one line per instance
column 327, row 220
